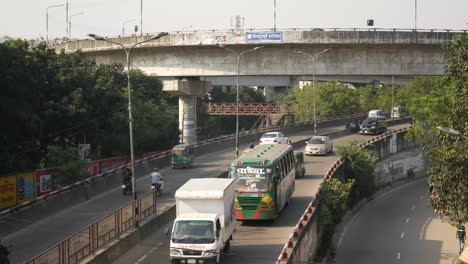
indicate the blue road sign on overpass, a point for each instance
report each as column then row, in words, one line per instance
column 264, row 37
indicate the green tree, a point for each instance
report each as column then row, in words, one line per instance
column 359, row 166
column 447, row 154
column 66, row 162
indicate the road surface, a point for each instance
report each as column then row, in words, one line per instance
column 398, row 227
column 253, row 242
column 36, row 237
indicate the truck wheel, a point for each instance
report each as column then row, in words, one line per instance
column 220, row 259
column 227, row 246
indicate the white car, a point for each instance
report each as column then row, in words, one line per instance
column 318, row 145
column 274, row 138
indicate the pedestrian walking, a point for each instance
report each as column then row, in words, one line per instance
column 461, row 235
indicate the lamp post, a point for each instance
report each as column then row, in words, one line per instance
column 123, row 26
column 238, row 56
column 47, row 21
column 130, row 119
column 313, row 82
column 274, row 15
column 70, row 21
column 451, row 131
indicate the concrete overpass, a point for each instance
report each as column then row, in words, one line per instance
column 358, row 55
column 361, row 56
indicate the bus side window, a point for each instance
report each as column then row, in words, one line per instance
column 285, row 169
column 291, row 160
column 278, row 171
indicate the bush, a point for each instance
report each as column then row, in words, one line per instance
column 359, row 166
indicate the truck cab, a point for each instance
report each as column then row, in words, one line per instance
column 204, row 221
column 197, row 235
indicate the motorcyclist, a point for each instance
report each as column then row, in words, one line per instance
column 157, row 178
column 127, row 179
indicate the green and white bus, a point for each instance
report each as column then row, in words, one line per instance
column 265, row 181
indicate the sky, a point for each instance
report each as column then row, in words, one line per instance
column 27, row 18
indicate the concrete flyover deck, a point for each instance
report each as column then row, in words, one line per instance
column 38, row 236
column 353, row 53
column 398, row 227
column 254, row 242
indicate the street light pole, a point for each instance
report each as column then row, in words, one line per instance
column 47, row 21
column 415, row 15
column 274, row 15
column 313, row 82
column 123, row 26
column 392, row 115
column 70, row 21
column 130, row 118
column 451, row 131
column 238, row 56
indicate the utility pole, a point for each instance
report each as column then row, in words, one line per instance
column 274, row 15
column 66, row 18
column 392, row 115
column 141, row 17
column 415, row 15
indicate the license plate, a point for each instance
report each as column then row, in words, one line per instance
column 191, row 261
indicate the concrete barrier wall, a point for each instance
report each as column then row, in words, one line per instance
column 304, row 240
column 75, row 194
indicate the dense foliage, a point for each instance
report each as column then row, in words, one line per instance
column 359, row 167
column 56, row 101
column 335, row 99
column 446, row 104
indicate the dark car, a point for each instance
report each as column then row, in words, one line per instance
column 373, row 125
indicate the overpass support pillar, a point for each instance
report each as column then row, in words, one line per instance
column 187, row 90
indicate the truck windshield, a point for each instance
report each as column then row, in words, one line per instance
column 252, row 179
column 193, row 231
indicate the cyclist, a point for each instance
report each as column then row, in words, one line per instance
column 461, row 235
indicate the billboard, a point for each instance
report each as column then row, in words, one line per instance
column 264, row 37
column 43, row 181
column 25, row 187
column 7, row 191
column 85, row 152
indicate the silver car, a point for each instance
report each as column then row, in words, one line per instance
column 318, row 145
column 274, row 138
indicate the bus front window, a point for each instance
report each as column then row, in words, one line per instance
column 252, row 179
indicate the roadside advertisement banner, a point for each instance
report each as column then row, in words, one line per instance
column 92, row 168
column 43, row 181
column 7, row 191
column 26, row 187
column 264, row 37
column 109, row 164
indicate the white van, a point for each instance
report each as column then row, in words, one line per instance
column 376, row 113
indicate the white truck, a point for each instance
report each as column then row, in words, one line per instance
column 204, row 221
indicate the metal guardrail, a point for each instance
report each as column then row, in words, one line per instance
column 309, row 213
column 424, row 30
column 85, row 243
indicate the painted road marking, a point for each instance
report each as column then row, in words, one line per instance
column 398, row 256
column 407, row 220
column 413, row 207
column 402, row 235
column 141, row 259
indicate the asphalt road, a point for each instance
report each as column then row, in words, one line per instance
column 398, row 227
column 36, row 237
column 253, row 242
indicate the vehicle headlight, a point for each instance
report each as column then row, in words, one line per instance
column 175, row 252
column 208, row 254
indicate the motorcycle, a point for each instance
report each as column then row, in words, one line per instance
column 126, row 188
column 156, row 187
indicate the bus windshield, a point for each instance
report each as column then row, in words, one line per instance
column 252, row 179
